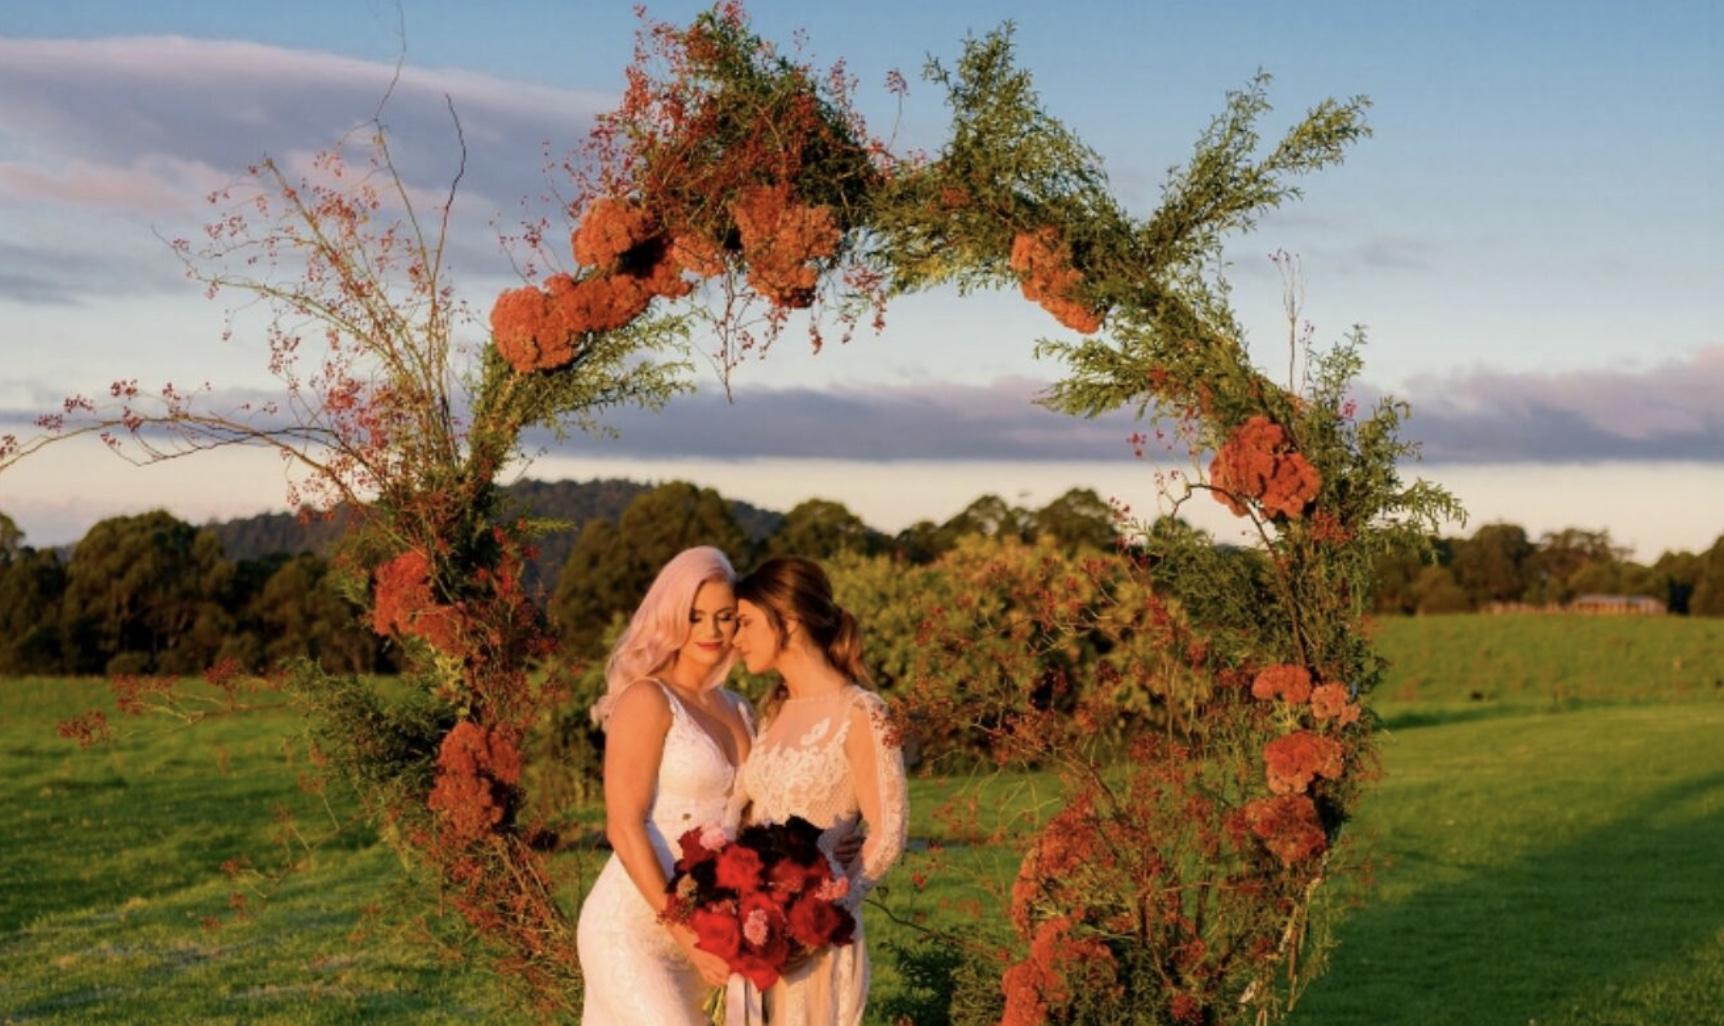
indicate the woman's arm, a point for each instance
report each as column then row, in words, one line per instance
column 882, row 792
column 634, row 744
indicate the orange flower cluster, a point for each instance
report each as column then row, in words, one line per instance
column 610, row 228
column 1044, row 980
column 478, row 769
column 1296, row 759
column 1287, row 825
column 1044, row 265
column 1329, row 702
column 1258, row 462
column 782, row 241
column 1066, row 843
column 541, row 328
column 404, row 602
column 1283, row 680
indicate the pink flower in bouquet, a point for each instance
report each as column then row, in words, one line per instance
column 754, row 928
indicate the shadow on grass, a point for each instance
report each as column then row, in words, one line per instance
column 1490, row 709
column 1537, row 940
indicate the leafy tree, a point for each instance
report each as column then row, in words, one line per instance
column 991, row 517
column 31, row 585
column 1392, row 582
column 1679, row 572
column 302, row 612
column 11, row 538
column 1708, row 596
column 1435, row 591
column 822, row 529
column 134, row 586
column 1491, row 565
column 1560, row 555
column 1078, row 519
column 919, row 543
column 609, row 568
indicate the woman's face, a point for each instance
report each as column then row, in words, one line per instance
column 755, row 641
column 711, row 625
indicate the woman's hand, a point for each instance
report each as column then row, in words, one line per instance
column 848, row 851
column 714, row 970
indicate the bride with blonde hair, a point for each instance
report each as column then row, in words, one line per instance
column 674, row 737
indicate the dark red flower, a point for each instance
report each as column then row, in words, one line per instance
column 815, row 923
column 693, row 852
column 739, row 869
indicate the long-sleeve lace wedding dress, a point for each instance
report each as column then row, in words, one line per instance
column 803, row 764
column 635, row 973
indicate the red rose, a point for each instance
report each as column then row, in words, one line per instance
column 693, row 852
column 739, row 869
column 816, row 923
column 717, row 933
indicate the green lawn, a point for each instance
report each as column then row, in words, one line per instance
column 1546, row 852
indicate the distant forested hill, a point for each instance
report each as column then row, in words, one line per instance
column 573, row 501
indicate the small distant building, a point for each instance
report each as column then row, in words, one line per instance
column 1590, row 605
column 1616, row 605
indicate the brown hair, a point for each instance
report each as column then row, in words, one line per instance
column 795, row 588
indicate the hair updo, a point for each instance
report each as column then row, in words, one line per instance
column 795, row 588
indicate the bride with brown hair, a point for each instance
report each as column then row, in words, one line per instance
column 827, row 753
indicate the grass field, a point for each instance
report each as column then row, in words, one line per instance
column 1547, row 839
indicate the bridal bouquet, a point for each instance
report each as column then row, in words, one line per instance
column 762, row 902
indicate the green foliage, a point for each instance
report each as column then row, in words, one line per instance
column 31, row 585
column 134, row 588
column 822, row 529
column 610, row 568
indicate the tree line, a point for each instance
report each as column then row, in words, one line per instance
column 1502, row 563
column 149, row 593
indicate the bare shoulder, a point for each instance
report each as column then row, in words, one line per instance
column 641, row 706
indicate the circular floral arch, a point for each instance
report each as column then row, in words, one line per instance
column 1208, row 767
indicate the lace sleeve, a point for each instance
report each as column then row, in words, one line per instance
column 877, row 770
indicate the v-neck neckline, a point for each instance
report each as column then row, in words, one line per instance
column 702, row 731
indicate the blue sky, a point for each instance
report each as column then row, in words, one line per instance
column 1530, row 236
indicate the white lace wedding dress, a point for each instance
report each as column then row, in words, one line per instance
column 799, row 767
column 635, row 974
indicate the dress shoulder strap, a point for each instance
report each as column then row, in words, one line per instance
column 740, row 704
column 677, row 713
